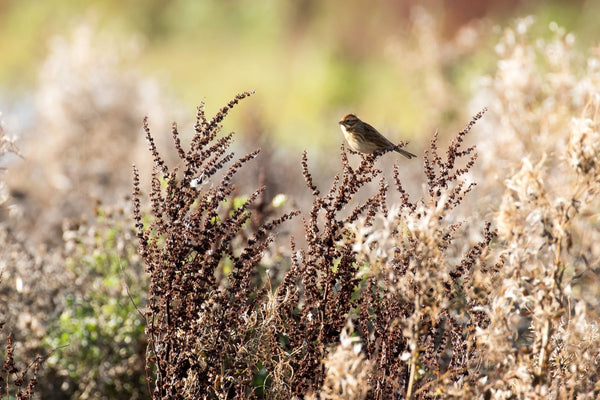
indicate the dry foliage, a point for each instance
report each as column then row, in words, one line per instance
column 14, row 380
column 216, row 331
column 18, row 381
column 434, row 305
column 543, row 338
column 204, row 331
column 386, row 296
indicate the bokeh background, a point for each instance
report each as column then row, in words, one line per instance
column 77, row 78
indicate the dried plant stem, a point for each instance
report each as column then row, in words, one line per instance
column 556, row 283
column 415, row 351
column 547, row 329
column 543, row 352
column 411, row 380
column 446, row 375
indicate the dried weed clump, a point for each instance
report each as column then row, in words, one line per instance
column 347, row 369
column 209, row 321
column 543, row 338
column 391, row 297
column 423, row 283
column 216, row 331
column 316, row 294
column 19, row 382
column 538, row 87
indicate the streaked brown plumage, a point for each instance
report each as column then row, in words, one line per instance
column 363, row 138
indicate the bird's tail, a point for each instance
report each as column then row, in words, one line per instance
column 405, row 153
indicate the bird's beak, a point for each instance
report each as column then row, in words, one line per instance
column 341, row 122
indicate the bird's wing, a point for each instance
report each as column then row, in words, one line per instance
column 378, row 137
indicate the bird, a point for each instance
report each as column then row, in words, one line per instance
column 363, row 138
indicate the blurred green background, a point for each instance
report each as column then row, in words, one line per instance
column 407, row 66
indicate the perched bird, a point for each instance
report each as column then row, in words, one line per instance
column 363, row 138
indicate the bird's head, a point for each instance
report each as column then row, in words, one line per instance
column 349, row 121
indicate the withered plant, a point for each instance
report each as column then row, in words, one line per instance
column 15, row 381
column 203, row 331
column 13, row 377
column 413, row 300
column 316, row 294
column 420, row 304
column 543, row 337
column 404, row 276
column 217, row 330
